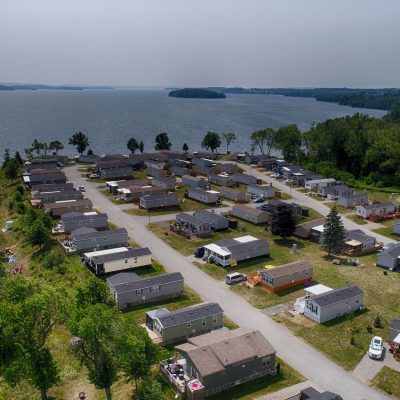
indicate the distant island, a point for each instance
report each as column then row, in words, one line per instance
column 196, row 93
column 49, row 87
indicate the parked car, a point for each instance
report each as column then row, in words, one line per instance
column 94, row 176
column 259, row 199
column 199, row 252
column 288, row 181
column 82, row 188
column 235, row 277
column 376, row 348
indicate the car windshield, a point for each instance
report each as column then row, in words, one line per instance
column 376, row 344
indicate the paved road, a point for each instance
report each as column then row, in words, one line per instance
column 308, row 201
column 301, row 356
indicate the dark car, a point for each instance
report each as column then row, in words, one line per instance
column 199, row 252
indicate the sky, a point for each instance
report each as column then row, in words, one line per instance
column 250, row 43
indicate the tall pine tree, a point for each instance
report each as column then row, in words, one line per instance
column 332, row 238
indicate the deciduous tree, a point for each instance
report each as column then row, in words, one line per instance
column 80, row 141
column 229, row 137
column 162, row 142
column 283, row 223
column 211, row 141
column 56, row 146
column 132, row 145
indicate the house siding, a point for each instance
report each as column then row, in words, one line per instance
column 203, row 196
column 261, row 218
column 99, row 221
column 100, row 243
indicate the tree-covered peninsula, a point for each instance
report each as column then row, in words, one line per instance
column 196, row 93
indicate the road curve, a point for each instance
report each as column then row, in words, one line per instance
column 301, row 356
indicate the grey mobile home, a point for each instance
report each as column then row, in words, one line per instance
column 53, row 197
column 92, row 240
column 394, row 329
column 167, row 182
column 389, row 257
column 216, row 221
column 262, row 190
column 117, row 259
column 180, row 171
column 224, row 359
column 52, row 187
column 221, row 180
column 197, row 226
column 74, row 220
column 334, row 303
column 63, row 207
column 187, row 322
column 155, row 172
column 194, row 181
column 353, row 199
column 149, row 202
column 204, row 196
column 245, row 179
column 39, row 179
column 249, row 214
column 116, row 172
column 129, row 289
column 358, row 242
column 235, row 195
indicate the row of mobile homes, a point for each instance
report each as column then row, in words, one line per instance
column 198, row 226
column 150, row 202
column 129, row 289
column 219, row 360
column 249, row 214
column 114, row 173
column 221, row 180
column 335, row 303
column 89, row 239
column 353, row 199
column 216, row 221
column 261, row 190
column 204, row 196
column 62, row 207
column 226, row 252
column 244, row 179
column 234, row 195
column 195, row 182
column 165, row 182
column 117, row 259
column 286, row 276
column 334, row 192
column 175, row 326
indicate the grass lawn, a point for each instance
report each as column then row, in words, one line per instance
column 333, row 338
column 356, row 219
column 262, row 386
column 387, row 380
column 387, row 230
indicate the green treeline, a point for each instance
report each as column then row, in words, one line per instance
column 357, row 149
column 196, row 93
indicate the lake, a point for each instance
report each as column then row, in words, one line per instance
column 111, row 117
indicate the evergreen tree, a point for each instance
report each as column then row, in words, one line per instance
column 283, row 223
column 185, row 147
column 6, row 157
column 90, row 152
column 141, row 146
column 11, row 168
column 18, row 158
column 332, row 238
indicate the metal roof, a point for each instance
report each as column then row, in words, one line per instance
column 209, row 214
column 188, row 314
column 99, row 234
column 115, row 254
column 248, row 210
column 337, row 295
column 358, row 235
column 122, row 277
column 131, row 285
column 283, row 270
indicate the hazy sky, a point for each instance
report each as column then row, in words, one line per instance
column 264, row 43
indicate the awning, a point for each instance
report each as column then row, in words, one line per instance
column 397, row 339
column 217, row 249
column 319, row 228
column 318, row 289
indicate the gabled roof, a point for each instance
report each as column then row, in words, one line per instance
column 98, row 234
column 359, row 235
column 283, row 270
column 131, row 283
column 355, row 195
column 248, row 210
column 377, row 205
column 313, row 394
column 337, row 295
column 209, row 214
column 190, row 219
column 119, row 255
column 215, row 351
column 189, row 314
column 122, row 277
column 66, row 203
column 392, row 250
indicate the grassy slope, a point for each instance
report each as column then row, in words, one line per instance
column 387, row 380
column 333, row 338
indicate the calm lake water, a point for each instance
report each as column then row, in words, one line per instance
column 111, row 117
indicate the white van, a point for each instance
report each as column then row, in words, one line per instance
column 235, row 277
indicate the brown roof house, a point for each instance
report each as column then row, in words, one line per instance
column 286, row 276
column 220, row 360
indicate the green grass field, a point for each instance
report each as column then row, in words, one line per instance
column 387, row 230
column 387, row 380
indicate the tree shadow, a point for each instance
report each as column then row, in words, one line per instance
column 345, row 318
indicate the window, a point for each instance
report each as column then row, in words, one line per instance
column 214, row 319
column 266, row 361
column 151, row 288
column 189, row 324
column 357, row 301
column 203, row 322
column 157, row 288
column 139, row 292
column 126, row 261
column 104, row 238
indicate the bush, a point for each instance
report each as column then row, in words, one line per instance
column 55, row 259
